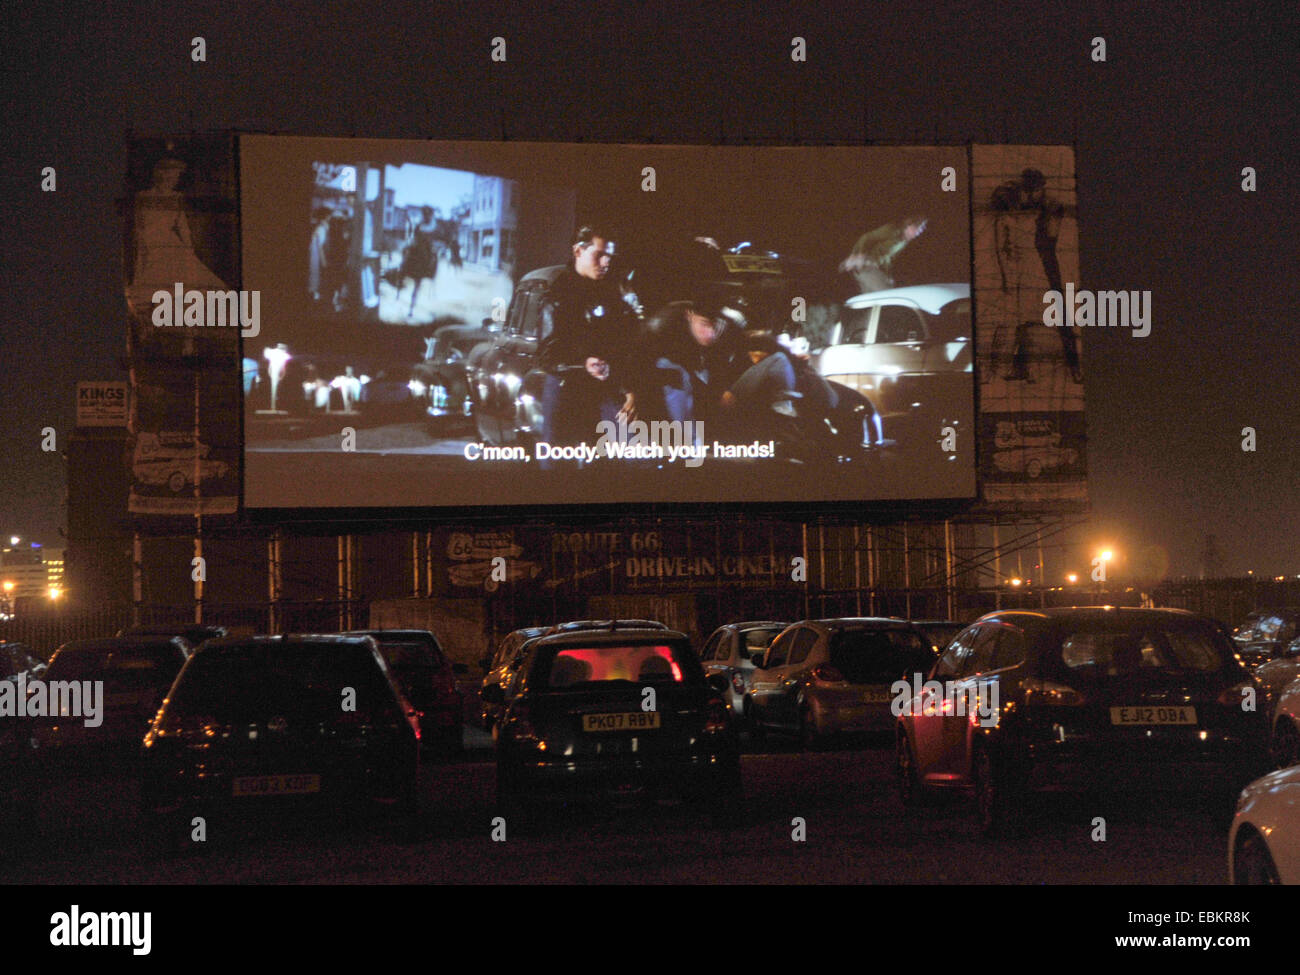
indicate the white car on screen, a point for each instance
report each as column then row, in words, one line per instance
column 1264, row 843
column 907, row 350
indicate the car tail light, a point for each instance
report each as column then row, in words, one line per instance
column 715, row 716
column 1045, row 693
column 828, row 674
column 1235, row 696
column 738, row 683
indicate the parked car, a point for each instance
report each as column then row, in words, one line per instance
column 579, row 728
column 1264, row 841
column 441, row 380
column 1284, row 739
column 193, row 633
column 733, row 651
column 1081, row 698
column 137, row 672
column 1277, row 674
column 1269, row 636
column 908, row 351
column 17, row 659
column 940, row 632
column 575, row 625
column 428, row 680
column 825, row 677
column 262, row 721
column 501, row 669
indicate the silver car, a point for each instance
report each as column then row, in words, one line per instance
column 733, row 650
column 907, row 350
column 826, row 677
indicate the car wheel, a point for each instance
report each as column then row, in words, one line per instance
column 997, row 798
column 1252, row 864
column 1034, row 467
column 910, row 789
column 1284, row 749
column 176, row 482
column 809, row 737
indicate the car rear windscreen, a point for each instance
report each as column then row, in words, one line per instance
column 646, row 663
column 760, row 639
column 143, row 665
column 1103, row 652
column 252, row 681
column 879, row 656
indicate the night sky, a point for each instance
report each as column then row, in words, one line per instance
column 1189, row 95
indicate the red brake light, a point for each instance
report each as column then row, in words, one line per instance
column 738, row 683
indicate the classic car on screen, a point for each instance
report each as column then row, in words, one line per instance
column 908, row 351
column 440, row 382
column 1033, row 460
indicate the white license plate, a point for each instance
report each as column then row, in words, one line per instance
column 276, row 785
column 622, row 721
column 1153, row 714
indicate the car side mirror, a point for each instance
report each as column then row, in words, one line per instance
column 493, row 694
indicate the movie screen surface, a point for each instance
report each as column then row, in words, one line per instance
column 468, row 323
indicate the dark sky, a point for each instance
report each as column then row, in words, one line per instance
column 1189, row 94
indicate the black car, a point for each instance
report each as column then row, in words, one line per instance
column 195, row 633
column 1084, row 698
column 616, row 715
column 428, row 679
column 441, row 380
column 273, row 721
column 135, row 673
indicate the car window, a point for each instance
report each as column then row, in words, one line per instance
column 711, row 647
column 804, row 640
column 855, row 322
column 952, row 322
column 758, row 640
column 641, row 663
column 980, row 658
column 1010, row 649
column 950, row 664
column 879, row 656
column 533, row 314
column 1116, row 652
column 779, row 651
column 899, row 323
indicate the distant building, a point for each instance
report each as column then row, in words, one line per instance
column 30, row 572
column 493, row 218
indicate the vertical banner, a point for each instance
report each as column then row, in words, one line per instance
column 180, row 264
column 1026, row 246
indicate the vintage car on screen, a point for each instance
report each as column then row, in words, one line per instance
column 909, row 352
column 440, row 382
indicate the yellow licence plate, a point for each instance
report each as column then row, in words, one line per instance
column 276, row 785
column 623, row 721
column 1153, row 715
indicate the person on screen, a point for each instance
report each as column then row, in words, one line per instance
column 588, row 335
column 420, row 263
column 320, row 229
column 696, row 355
column 872, row 258
column 1013, row 203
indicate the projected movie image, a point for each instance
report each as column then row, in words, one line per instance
column 499, row 324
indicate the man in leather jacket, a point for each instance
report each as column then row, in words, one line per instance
column 589, row 335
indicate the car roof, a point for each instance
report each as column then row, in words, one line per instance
column 1080, row 614
column 929, row 297
column 606, row 638
column 856, row 622
column 395, row 634
column 753, row 624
